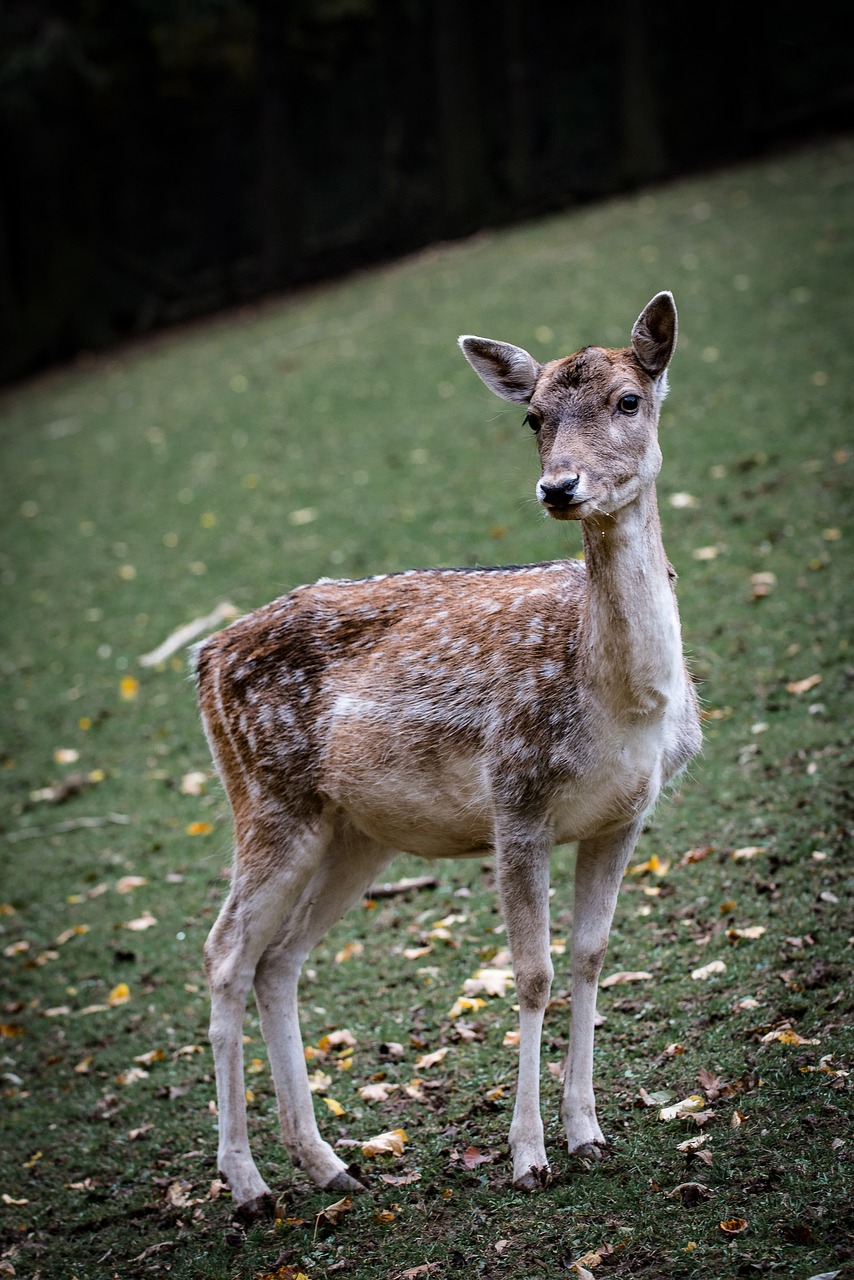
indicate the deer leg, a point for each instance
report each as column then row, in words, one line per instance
column 345, row 873
column 599, row 869
column 523, row 882
column 248, row 920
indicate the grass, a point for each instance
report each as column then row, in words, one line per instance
column 339, row 432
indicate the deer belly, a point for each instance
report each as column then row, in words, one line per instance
column 430, row 799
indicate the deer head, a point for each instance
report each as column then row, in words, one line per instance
column 594, row 413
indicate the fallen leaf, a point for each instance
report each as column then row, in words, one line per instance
column 654, row 865
column 349, row 950
column 733, row 1226
column 199, row 828
column 625, row 976
column 430, row 1059
column 131, row 1075
column 511, row 1039
column 384, row 1216
column 127, row 884
column 686, row 1107
column 708, row 970
column 120, row 994
column 659, row 1098
column 153, row 1055
column 803, row 686
column 10, row 1200
column 77, row 931
column 465, row 1004
column 473, row 1156
column 66, row 755
column 337, row 1039
column 400, row 1180
column 334, row 1107
column 319, row 1081
column 193, row 783
column 786, row 1035
column 128, row 688
column 693, row 1144
column 385, row 1144
column 689, row 1192
column 749, row 851
column 492, row 982
column 145, row 921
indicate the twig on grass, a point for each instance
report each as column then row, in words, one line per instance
column 71, row 824
column 224, row 612
column 392, row 888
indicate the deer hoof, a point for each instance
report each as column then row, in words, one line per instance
column 263, row 1206
column 343, row 1181
column 533, row 1180
column 592, row 1151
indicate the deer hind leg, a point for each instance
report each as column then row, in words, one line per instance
column 599, row 869
column 523, row 881
column 349, row 865
column 270, row 873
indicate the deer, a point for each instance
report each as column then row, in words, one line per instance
column 456, row 713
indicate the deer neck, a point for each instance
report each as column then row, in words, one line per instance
column 632, row 641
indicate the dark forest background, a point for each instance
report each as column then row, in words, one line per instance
column 162, row 159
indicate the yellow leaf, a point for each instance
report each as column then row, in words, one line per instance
column 687, row 1107
column 733, row 1226
column 749, row 851
column 384, row 1216
column 334, row 1107
column 119, row 995
column 385, row 1144
column 337, row 1039
column 463, row 1004
column 511, row 1039
column 319, row 1081
column 787, row 1036
column 250, row 1097
column 199, row 828
column 129, row 688
column 655, row 865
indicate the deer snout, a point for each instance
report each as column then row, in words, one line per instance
column 559, row 493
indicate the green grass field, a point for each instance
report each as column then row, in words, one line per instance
column 341, row 433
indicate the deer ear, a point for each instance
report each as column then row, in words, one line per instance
column 654, row 333
column 507, row 370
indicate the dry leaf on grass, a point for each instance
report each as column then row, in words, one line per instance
column 625, row 976
column 385, row 1144
column 685, row 1107
column 708, row 970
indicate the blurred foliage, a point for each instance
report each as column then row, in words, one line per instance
column 166, row 158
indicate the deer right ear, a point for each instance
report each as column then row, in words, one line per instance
column 507, row 370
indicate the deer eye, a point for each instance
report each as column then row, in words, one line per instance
column 533, row 422
column 628, row 404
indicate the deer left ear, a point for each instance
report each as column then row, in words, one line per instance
column 654, row 333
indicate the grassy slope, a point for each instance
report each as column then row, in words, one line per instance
column 341, row 433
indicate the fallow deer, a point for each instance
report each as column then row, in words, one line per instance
column 454, row 713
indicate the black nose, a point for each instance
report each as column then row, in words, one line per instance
column 559, row 495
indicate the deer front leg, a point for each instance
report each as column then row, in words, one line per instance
column 523, row 881
column 599, row 869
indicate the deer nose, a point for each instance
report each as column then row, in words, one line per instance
column 558, row 495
